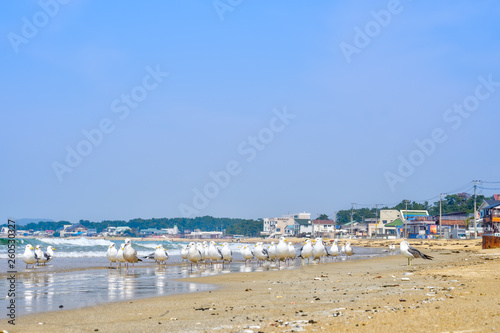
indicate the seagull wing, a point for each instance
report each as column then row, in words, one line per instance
column 150, row 256
column 417, row 254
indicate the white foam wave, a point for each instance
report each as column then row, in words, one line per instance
column 78, row 241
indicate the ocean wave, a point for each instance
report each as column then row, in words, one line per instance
column 82, row 241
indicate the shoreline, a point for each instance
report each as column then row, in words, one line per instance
column 458, row 290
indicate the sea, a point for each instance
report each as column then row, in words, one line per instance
column 79, row 274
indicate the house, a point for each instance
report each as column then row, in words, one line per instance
column 394, row 228
column 305, row 227
column 76, row 229
column 389, row 215
column 197, row 234
column 491, row 218
column 284, row 225
column 324, row 228
column 452, row 219
column 115, row 231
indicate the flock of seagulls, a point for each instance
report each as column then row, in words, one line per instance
column 126, row 254
column 37, row 257
column 284, row 251
column 206, row 253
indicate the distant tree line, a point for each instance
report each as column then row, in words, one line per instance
column 232, row 226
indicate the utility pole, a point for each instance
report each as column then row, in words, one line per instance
column 352, row 213
column 440, row 215
column 475, row 214
column 334, row 224
column 376, row 215
column 406, row 224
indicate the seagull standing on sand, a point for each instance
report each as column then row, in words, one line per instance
column 50, row 252
column 29, row 256
column 306, row 251
column 334, row 250
column 184, row 253
column 291, row 252
column 111, row 254
column 119, row 255
column 411, row 252
column 160, row 254
column 281, row 250
column 260, row 252
column 194, row 254
column 246, row 253
column 271, row 250
column 214, row 252
column 227, row 254
column 41, row 257
column 318, row 250
column 348, row 249
column 129, row 253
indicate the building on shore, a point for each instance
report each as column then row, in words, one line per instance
column 289, row 225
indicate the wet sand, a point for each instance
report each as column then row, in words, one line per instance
column 457, row 291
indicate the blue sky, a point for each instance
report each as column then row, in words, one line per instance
column 244, row 108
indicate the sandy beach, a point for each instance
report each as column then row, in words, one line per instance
column 457, row 291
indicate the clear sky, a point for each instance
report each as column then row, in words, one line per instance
column 126, row 109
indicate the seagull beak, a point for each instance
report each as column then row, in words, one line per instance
column 53, row 249
column 31, row 248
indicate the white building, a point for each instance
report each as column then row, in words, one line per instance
column 286, row 224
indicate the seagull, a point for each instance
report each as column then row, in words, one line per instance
column 184, row 253
column 392, row 248
column 319, row 249
column 29, row 256
column 201, row 248
column 129, row 253
column 111, row 254
column 334, row 250
column 246, row 253
column 119, row 255
column 50, row 252
column 306, row 251
column 40, row 256
column 291, row 251
column 260, row 252
column 348, row 249
column 214, row 252
column 160, row 254
column 194, row 254
column 411, row 252
column 227, row 254
column 281, row 250
column 271, row 250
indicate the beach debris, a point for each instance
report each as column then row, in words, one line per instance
column 405, row 279
column 402, row 300
column 390, row 285
column 173, row 319
column 378, row 277
column 318, row 278
column 248, row 289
